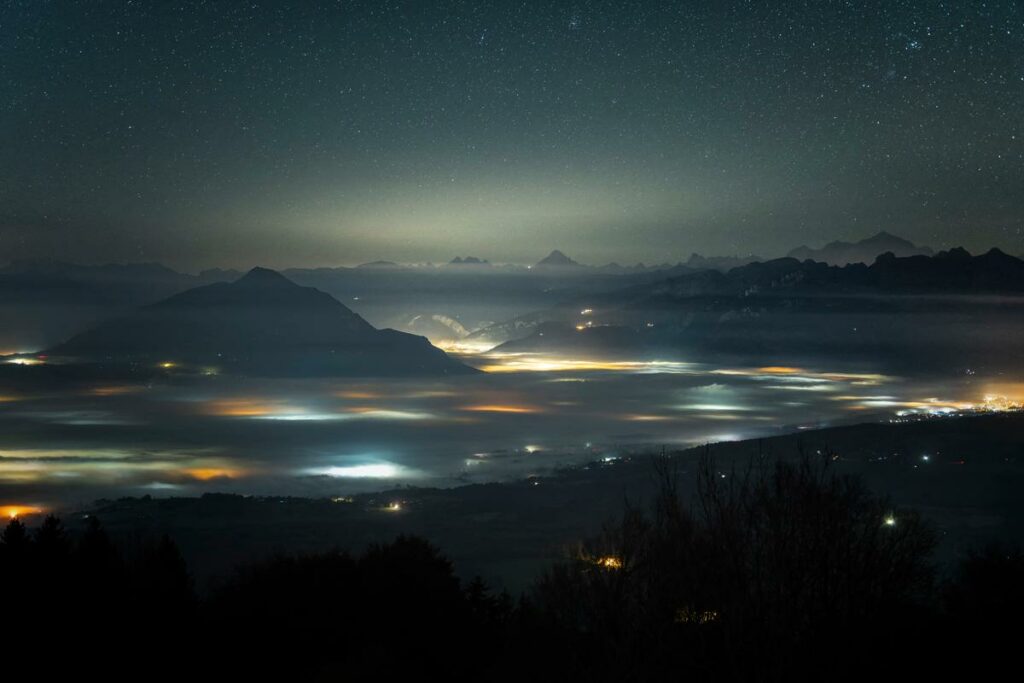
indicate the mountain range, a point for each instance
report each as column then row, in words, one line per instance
column 951, row 308
column 865, row 251
column 44, row 302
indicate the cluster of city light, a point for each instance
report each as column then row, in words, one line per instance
column 530, row 362
column 609, row 562
column 688, row 615
column 937, row 407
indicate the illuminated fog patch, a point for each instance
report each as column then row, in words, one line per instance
column 386, row 414
column 714, row 407
column 381, row 470
column 527, row 362
column 497, row 408
column 211, row 473
column 17, row 511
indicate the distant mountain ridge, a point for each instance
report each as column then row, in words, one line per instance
column 262, row 324
column 865, row 251
column 947, row 309
column 469, row 261
column 722, row 263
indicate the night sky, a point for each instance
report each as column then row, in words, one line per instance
column 230, row 133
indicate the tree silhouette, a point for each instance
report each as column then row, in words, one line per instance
column 52, row 542
column 15, row 537
column 772, row 573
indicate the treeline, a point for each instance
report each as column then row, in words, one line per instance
column 778, row 572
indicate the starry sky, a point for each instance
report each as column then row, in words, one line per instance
column 229, row 133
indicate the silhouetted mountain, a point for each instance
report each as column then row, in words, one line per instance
column 722, row 263
column 864, row 251
column 219, row 275
column 264, row 324
column 556, row 259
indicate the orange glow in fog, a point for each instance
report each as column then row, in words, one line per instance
column 498, row 408
column 15, row 511
column 209, row 473
column 243, row 408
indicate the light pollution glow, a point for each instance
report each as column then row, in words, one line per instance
column 680, row 402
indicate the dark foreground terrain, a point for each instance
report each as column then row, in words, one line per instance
column 963, row 474
column 734, row 570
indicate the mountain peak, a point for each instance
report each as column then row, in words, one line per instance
column 263, row 277
column 556, row 258
column 262, row 324
column 887, row 238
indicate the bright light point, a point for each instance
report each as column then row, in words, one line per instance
column 384, row 470
column 394, row 506
column 531, row 449
column 610, row 562
column 890, row 521
column 167, row 365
